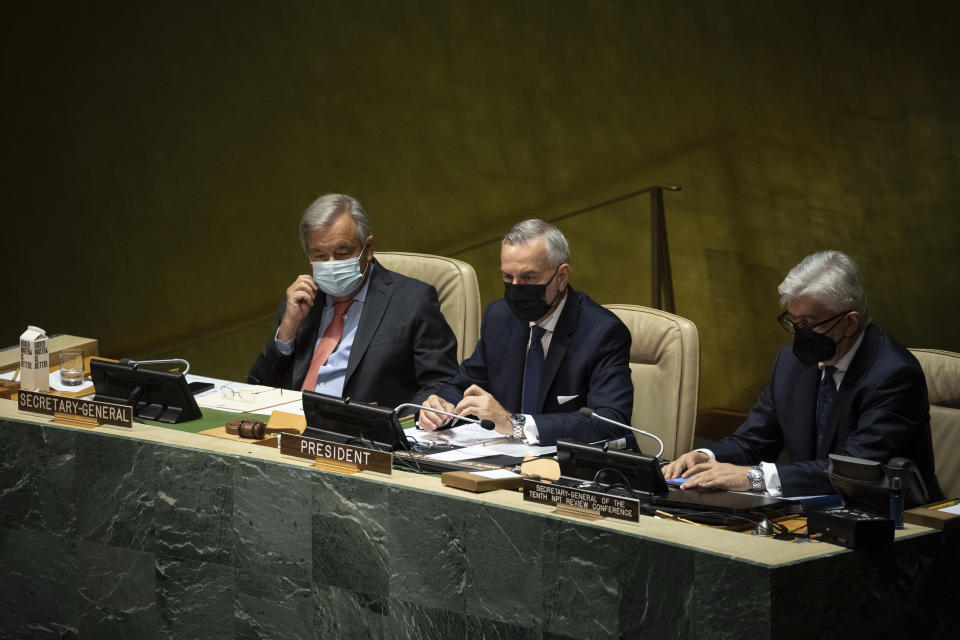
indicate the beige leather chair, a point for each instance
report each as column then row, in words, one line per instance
column 665, row 366
column 942, row 370
column 456, row 285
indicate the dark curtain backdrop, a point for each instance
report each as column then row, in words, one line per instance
column 157, row 156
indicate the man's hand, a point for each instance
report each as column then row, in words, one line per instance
column 684, row 462
column 717, row 475
column 479, row 403
column 300, row 297
column 429, row 421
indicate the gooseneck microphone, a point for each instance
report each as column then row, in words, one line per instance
column 486, row 424
column 133, row 364
column 590, row 413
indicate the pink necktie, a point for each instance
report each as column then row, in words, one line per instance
column 328, row 342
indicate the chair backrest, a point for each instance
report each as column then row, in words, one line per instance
column 665, row 367
column 942, row 370
column 457, row 288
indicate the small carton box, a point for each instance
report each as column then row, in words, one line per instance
column 34, row 360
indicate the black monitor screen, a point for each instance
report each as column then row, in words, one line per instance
column 865, row 484
column 591, row 463
column 338, row 420
column 154, row 395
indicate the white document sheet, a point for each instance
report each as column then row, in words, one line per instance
column 262, row 397
column 462, row 436
column 509, row 448
column 464, row 453
column 496, row 474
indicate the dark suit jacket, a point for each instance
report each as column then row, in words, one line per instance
column 588, row 359
column 402, row 349
column 880, row 412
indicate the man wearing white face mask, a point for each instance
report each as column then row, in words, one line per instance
column 353, row 328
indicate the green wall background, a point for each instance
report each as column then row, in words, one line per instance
column 157, row 156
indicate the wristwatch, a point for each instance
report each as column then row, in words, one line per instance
column 756, row 477
column 518, row 420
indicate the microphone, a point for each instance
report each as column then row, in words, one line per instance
column 590, row 413
column 622, row 442
column 133, row 364
column 486, row 424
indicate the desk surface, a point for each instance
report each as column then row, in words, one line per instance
column 753, row 549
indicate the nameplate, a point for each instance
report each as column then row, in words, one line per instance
column 588, row 502
column 336, row 455
column 118, row 415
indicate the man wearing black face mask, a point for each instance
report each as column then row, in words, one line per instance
column 545, row 351
column 844, row 386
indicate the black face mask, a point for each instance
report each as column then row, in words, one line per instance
column 529, row 301
column 811, row 347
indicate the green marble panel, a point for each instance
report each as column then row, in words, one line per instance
column 506, row 553
column 349, row 533
column 904, row 590
column 350, row 615
column 426, row 549
column 731, row 599
column 116, row 491
column 656, row 589
column 195, row 599
column 193, row 506
column 581, row 577
column 271, row 606
column 38, row 585
column 273, row 519
column 36, row 476
column 411, row 621
column 483, row 629
column 117, row 592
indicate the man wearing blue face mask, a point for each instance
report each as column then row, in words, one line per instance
column 844, row 386
column 545, row 351
column 353, row 328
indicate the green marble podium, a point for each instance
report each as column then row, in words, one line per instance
column 154, row 533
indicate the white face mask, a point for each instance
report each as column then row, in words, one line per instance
column 337, row 278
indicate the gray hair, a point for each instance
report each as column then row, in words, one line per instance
column 326, row 209
column 829, row 277
column 558, row 251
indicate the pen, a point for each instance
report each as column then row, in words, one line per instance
column 945, row 503
column 672, row 517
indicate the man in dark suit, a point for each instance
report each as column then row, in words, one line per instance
column 845, row 386
column 545, row 351
column 353, row 328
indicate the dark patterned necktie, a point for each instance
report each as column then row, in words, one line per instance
column 533, row 370
column 825, row 395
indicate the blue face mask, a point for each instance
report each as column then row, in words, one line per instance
column 338, row 278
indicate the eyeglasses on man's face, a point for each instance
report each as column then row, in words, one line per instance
column 791, row 324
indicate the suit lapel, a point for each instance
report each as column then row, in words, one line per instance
column 859, row 366
column 559, row 343
column 374, row 307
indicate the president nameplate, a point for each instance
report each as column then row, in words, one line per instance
column 579, row 500
column 336, row 456
column 118, row 415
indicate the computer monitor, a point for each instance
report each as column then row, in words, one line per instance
column 636, row 471
column 342, row 420
column 865, row 484
column 154, row 395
